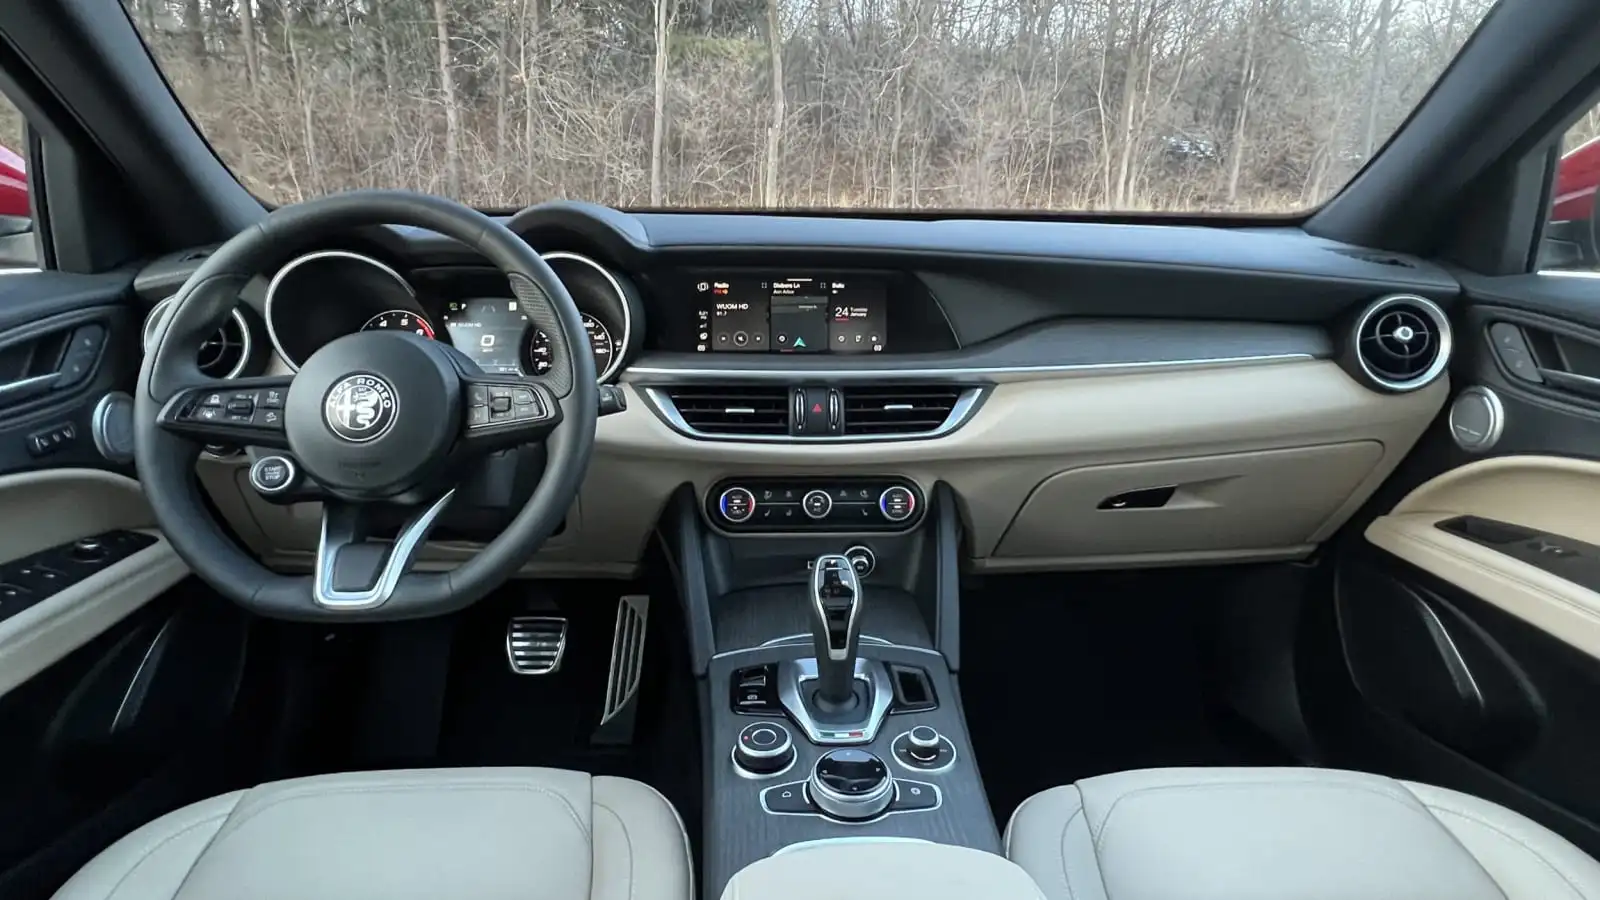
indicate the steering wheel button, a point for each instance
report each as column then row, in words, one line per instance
column 208, row 414
column 499, row 404
column 477, row 395
column 477, row 415
column 522, row 396
column 272, row 398
column 212, row 400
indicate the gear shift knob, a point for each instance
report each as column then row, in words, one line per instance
column 836, row 629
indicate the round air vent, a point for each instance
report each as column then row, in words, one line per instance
column 223, row 354
column 1402, row 342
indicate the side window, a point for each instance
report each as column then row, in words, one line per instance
column 1572, row 235
column 18, row 250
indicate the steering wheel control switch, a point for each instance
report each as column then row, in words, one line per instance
column 924, row 749
column 843, row 504
column 764, row 749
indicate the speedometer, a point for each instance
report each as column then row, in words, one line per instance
column 601, row 344
column 399, row 320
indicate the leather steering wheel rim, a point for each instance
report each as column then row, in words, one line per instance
column 165, row 459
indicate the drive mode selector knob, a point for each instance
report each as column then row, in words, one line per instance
column 737, row 504
column 763, row 748
column 850, row 783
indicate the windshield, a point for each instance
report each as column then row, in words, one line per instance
column 1232, row 106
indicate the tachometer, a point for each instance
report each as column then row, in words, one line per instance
column 399, row 320
column 600, row 343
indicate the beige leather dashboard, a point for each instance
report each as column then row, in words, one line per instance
column 1267, row 459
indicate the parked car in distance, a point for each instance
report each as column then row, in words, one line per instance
column 13, row 184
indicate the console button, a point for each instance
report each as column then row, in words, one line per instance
column 817, row 504
column 755, row 691
column 914, row 795
column 787, row 798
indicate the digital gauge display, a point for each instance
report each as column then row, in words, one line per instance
column 491, row 330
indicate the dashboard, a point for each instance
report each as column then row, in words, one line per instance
column 1054, row 379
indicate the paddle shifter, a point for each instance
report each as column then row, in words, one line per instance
column 836, row 628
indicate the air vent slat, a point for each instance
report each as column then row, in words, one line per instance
column 899, row 410
column 731, row 410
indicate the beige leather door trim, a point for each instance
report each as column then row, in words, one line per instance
column 44, row 509
column 1552, row 494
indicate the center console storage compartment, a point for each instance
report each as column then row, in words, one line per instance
column 1262, row 500
column 865, row 869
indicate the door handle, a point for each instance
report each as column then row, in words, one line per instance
column 26, row 388
column 1585, row 385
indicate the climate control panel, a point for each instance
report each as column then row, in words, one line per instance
column 756, row 505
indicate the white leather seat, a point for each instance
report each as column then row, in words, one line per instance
column 483, row 834
column 1286, row 834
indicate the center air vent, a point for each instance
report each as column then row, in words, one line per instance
column 223, row 354
column 733, row 409
column 1402, row 342
column 898, row 409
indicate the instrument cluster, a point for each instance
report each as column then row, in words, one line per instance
column 319, row 297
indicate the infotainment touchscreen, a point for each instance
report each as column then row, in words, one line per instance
column 781, row 312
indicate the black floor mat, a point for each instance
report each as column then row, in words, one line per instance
column 1065, row 677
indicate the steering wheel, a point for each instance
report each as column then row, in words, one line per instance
column 374, row 419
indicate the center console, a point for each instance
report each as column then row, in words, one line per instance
column 831, row 707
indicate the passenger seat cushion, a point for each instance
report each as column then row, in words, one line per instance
column 1285, row 834
column 479, row 833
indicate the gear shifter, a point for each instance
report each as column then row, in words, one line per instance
column 836, row 628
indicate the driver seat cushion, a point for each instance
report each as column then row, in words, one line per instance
column 1286, row 834
column 424, row 833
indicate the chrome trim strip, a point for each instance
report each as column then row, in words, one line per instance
column 954, row 372
column 621, row 349
column 1437, row 628
column 405, row 547
column 800, row 640
column 794, row 673
column 938, row 801
column 1440, row 321
column 966, row 404
column 25, row 385
column 297, row 262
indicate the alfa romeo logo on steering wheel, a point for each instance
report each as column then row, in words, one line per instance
column 360, row 408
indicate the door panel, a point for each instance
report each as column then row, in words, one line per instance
column 113, row 668
column 1462, row 646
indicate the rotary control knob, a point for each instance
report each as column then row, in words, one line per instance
column 737, row 504
column 817, row 504
column 924, row 741
column 897, row 503
column 763, row 748
column 851, row 784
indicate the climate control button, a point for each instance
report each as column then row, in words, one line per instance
column 737, row 504
column 817, row 504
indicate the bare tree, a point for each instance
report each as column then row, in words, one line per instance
column 452, row 115
column 769, row 185
column 658, row 124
